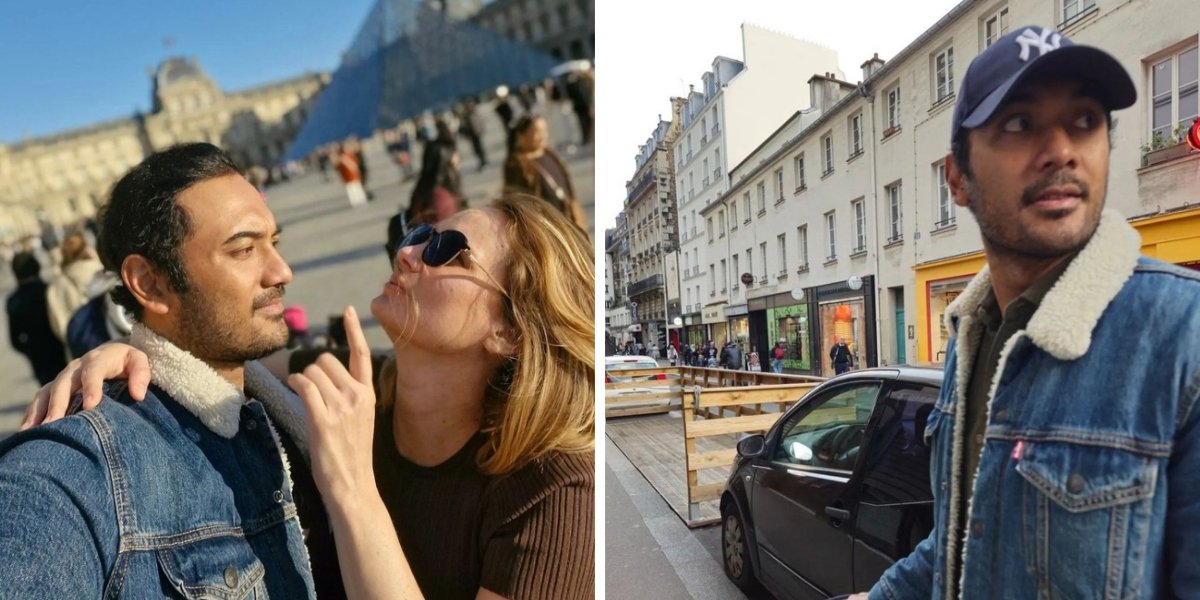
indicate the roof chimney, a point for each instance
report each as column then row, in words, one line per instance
column 872, row 66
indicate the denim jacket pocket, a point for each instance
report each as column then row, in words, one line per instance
column 1085, row 511
column 218, row 568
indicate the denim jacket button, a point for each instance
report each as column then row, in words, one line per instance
column 977, row 530
column 231, row 577
column 1075, row 483
column 279, row 496
column 1001, row 414
column 251, row 424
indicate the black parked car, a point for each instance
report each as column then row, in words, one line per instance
column 837, row 490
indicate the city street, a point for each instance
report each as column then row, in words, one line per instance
column 336, row 253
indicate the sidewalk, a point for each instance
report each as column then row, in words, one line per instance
column 649, row 552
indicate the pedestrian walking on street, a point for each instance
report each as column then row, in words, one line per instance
column 68, row 292
column 1065, row 446
column 580, row 87
column 351, row 174
column 533, row 168
column 672, row 355
column 731, row 356
column 840, row 356
column 777, row 356
column 29, row 329
column 687, row 354
column 471, row 126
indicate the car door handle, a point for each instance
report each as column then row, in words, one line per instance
column 840, row 514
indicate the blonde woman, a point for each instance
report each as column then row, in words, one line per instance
column 472, row 477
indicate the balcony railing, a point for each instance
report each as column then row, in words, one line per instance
column 645, row 285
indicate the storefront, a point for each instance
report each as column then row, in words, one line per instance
column 844, row 312
column 714, row 321
column 789, row 324
column 737, row 325
column 1173, row 237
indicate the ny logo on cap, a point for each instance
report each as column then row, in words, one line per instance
column 1047, row 41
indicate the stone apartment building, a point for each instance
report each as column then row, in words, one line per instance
column 841, row 223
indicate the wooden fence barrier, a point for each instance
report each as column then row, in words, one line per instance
column 652, row 395
column 722, row 411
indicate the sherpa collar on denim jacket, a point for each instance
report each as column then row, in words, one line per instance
column 210, row 397
column 1063, row 323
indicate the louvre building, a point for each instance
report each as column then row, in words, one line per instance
column 61, row 178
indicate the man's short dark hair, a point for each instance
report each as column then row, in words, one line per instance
column 26, row 266
column 143, row 215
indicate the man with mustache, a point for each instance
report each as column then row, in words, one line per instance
column 188, row 492
column 1065, row 445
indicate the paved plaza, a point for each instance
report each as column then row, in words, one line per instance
column 336, row 252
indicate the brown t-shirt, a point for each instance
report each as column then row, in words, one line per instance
column 526, row 535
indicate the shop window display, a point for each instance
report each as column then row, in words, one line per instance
column 789, row 324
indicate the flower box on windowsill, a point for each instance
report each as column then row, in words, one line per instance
column 1154, row 157
column 890, row 131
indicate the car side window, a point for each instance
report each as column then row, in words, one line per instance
column 828, row 431
column 896, row 470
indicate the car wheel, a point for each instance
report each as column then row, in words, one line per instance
column 735, row 550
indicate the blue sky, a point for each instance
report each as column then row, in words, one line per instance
column 70, row 63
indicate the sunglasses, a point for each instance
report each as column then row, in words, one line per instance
column 442, row 247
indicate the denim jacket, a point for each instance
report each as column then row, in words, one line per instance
column 186, row 494
column 1088, row 484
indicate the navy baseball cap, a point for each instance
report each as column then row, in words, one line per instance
column 1036, row 51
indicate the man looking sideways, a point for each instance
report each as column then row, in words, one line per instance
column 1066, row 441
column 188, row 492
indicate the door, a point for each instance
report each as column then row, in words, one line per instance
column 900, row 341
column 799, row 506
column 894, row 509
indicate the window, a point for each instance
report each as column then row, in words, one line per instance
column 944, row 74
column 1174, row 95
column 828, row 432
column 712, row 280
column 724, row 275
column 1074, row 8
column 827, row 149
column 802, row 245
column 782, row 240
column 762, row 197
column 893, row 111
column 721, row 223
column 778, row 186
column 856, row 146
column 733, row 222
column 762, row 250
column 831, row 236
column 737, row 274
column 860, row 226
column 746, row 205
column 995, row 26
column 750, row 260
column 717, row 161
column 895, row 222
column 798, row 167
column 898, row 446
column 945, row 207
column 709, row 227
column 705, row 172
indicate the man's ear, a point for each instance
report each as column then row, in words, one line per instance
column 147, row 284
column 957, row 182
